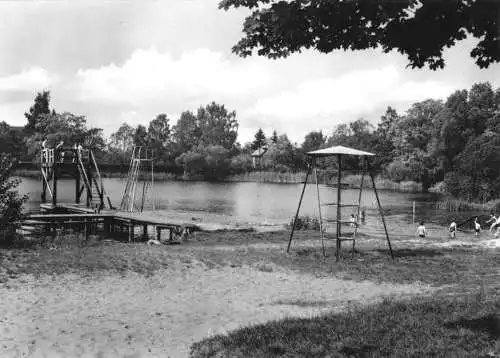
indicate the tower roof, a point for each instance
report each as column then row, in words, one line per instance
column 339, row 149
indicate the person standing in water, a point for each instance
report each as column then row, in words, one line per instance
column 496, row 227
column 421, row 230
column 352, row 220
column 477, row 227
column 453, row 228
column 493, row 221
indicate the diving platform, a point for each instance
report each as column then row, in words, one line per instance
column 95, row 214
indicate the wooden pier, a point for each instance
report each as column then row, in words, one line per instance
column 79, row 218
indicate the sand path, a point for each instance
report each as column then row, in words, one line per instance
column 161, row 315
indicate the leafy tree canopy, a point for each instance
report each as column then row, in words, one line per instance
column 186, row 132
column 123, row 138
column 260, row 140
column 313, row 141
column 66, row 127
column 213, row 125
column 274, row 137
column 418, row 29
column 159, row 131
column 38, row 109
column 141, row 136
column 218, row 126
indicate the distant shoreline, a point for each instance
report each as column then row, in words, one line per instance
column 350, row 181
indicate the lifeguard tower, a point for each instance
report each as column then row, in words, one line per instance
column 339, row 223
column 78, row 164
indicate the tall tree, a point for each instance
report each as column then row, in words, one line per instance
column 313, row 141
column 414, row 130
column 38, row 109
column 357, row 134
column 259, row 140
column 10, row 141
column 186, row 132
column 218, row 126
column 159, row 130
column 384, row 147
column 274, row 137
column 123, row 138
column 280, row 156
column 66, row 127
column 419, row 29
column 141, row 136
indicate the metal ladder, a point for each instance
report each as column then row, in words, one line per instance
column 128, row 199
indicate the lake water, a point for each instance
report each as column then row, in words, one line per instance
column 264, row 204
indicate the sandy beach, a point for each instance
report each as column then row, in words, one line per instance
column 161, row 315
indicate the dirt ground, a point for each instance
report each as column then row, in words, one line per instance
column 131, row 315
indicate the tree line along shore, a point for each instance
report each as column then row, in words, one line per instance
column 451, row 146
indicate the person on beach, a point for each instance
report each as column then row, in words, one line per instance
column 453, row 228
column 493, row 221
column 421, row 231
column 477, row 227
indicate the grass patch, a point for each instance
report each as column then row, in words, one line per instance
column 457, row 205
column 264, row 251
column 74, row 254
column 433, row 266
column 432, row 327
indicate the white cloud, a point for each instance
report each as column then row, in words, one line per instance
column 13, row 113
column 29, row 79
column 355, row 92
column 150, row 76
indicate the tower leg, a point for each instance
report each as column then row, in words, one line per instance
column 339, row 218
column 319, row 206
column 298, row 206
column 359, row 210
column 44, row 189
column 380, row 208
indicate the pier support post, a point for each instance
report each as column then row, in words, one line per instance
column 54, row 184
column 158, row 233
column 145, row 231
column 85, row 228
column 77, row 188
column 107, row 225
column 130, row 232
column 44, row 189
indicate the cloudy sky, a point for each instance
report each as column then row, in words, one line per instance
column 120, row 61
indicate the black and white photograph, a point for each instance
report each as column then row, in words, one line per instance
column 249, row 178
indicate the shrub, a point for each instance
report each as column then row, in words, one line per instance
column 11, row 203
column 305, row 223
column 438, row 188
